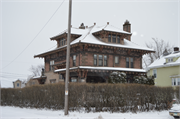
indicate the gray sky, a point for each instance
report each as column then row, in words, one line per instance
column 21, row 20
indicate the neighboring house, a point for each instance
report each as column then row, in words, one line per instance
column 19, row 83
column 32, row 82
column 95, row 52
column 166, row 70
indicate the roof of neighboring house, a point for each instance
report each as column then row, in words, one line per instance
column 88, row 37
column 38, row 77
column 7, row 83
column 161, row 62
column 103, row 68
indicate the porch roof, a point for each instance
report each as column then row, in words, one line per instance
column 104, row 68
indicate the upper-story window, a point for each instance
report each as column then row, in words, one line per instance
column 51, row 65
column 95, row 59
column 105, row 60
column 109, row 38
column 74, row 60
column 132, row 64
column 62, row 42
column 170, row 60
column 100, row 60
column 118, row 39
column 17, row 84
column 114, row 38
column 116, row 59
column 127, row 62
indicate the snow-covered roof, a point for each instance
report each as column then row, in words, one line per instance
column 74, row 30
column 174, row 54
column 109, row 28
column 88, row 37
column 37, row 77
column 103, row 68
column 161, row 62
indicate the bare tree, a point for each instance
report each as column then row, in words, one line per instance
column 160, row 47
column 36, row 71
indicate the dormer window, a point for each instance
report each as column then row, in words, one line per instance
column 170, row 60
column 114, row 38
column 62, row 42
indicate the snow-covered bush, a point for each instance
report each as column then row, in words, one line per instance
column 144, row 80
column 117, row 77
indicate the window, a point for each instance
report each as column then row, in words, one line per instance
column 64, row 41
column 109, row 38
column 114, row 38
column 74, row 60
column 60, row 42
column 100, row 60
column 95, row 59
column 170, row 60
column 155, row 73
column 127, row 62
column 52, row 80
column 73, row 79
column 175, row 81
column 17, row 84
column 118, row 39
column 51, row 65
column 116, row 59
column 105, row 60
column 132, row 65
column 178, row 81
column 60, row 76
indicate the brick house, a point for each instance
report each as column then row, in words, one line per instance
column 95, row 52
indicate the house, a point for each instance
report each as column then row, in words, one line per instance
column 166, row 69
column 19, row 83
column 95, row 52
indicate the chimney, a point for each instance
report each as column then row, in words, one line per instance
column 94, row 23
column 127, row 28
column 82, row 26
column 107, row 23
column 176, row 49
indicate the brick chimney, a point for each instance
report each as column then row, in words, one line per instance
column 82, row 26
column 127, row 28
column 176, row 49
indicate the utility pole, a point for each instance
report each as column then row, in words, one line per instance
column 67, row 60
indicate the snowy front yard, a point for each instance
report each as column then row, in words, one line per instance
column 7, row 112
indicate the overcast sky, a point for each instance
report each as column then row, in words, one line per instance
column 21, row 21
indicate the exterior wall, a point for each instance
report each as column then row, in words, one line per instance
column 32, row 82
column 16, row 82
column 163, row 75
column 51, row 75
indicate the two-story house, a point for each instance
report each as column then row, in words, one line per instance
column 95, row 52
column 166, row 69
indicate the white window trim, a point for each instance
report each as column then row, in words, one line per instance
column 155, row 72
column 176, row 80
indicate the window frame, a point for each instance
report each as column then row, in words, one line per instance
column 155, row 73
column 118, row 38
column 105, row 60
column 127, row 62
column 95, row 60
column 100, row 60
column 132, row 62
column 51, row 68
column 117, row 59
column 109, row 38
column 74, row 60
column 113, row 38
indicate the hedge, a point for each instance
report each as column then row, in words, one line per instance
column 91, row 97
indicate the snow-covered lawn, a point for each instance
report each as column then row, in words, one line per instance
column 7, row 112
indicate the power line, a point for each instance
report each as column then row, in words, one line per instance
column 12, row 73
column 35, row 36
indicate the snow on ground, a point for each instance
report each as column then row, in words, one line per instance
column 7, row 112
